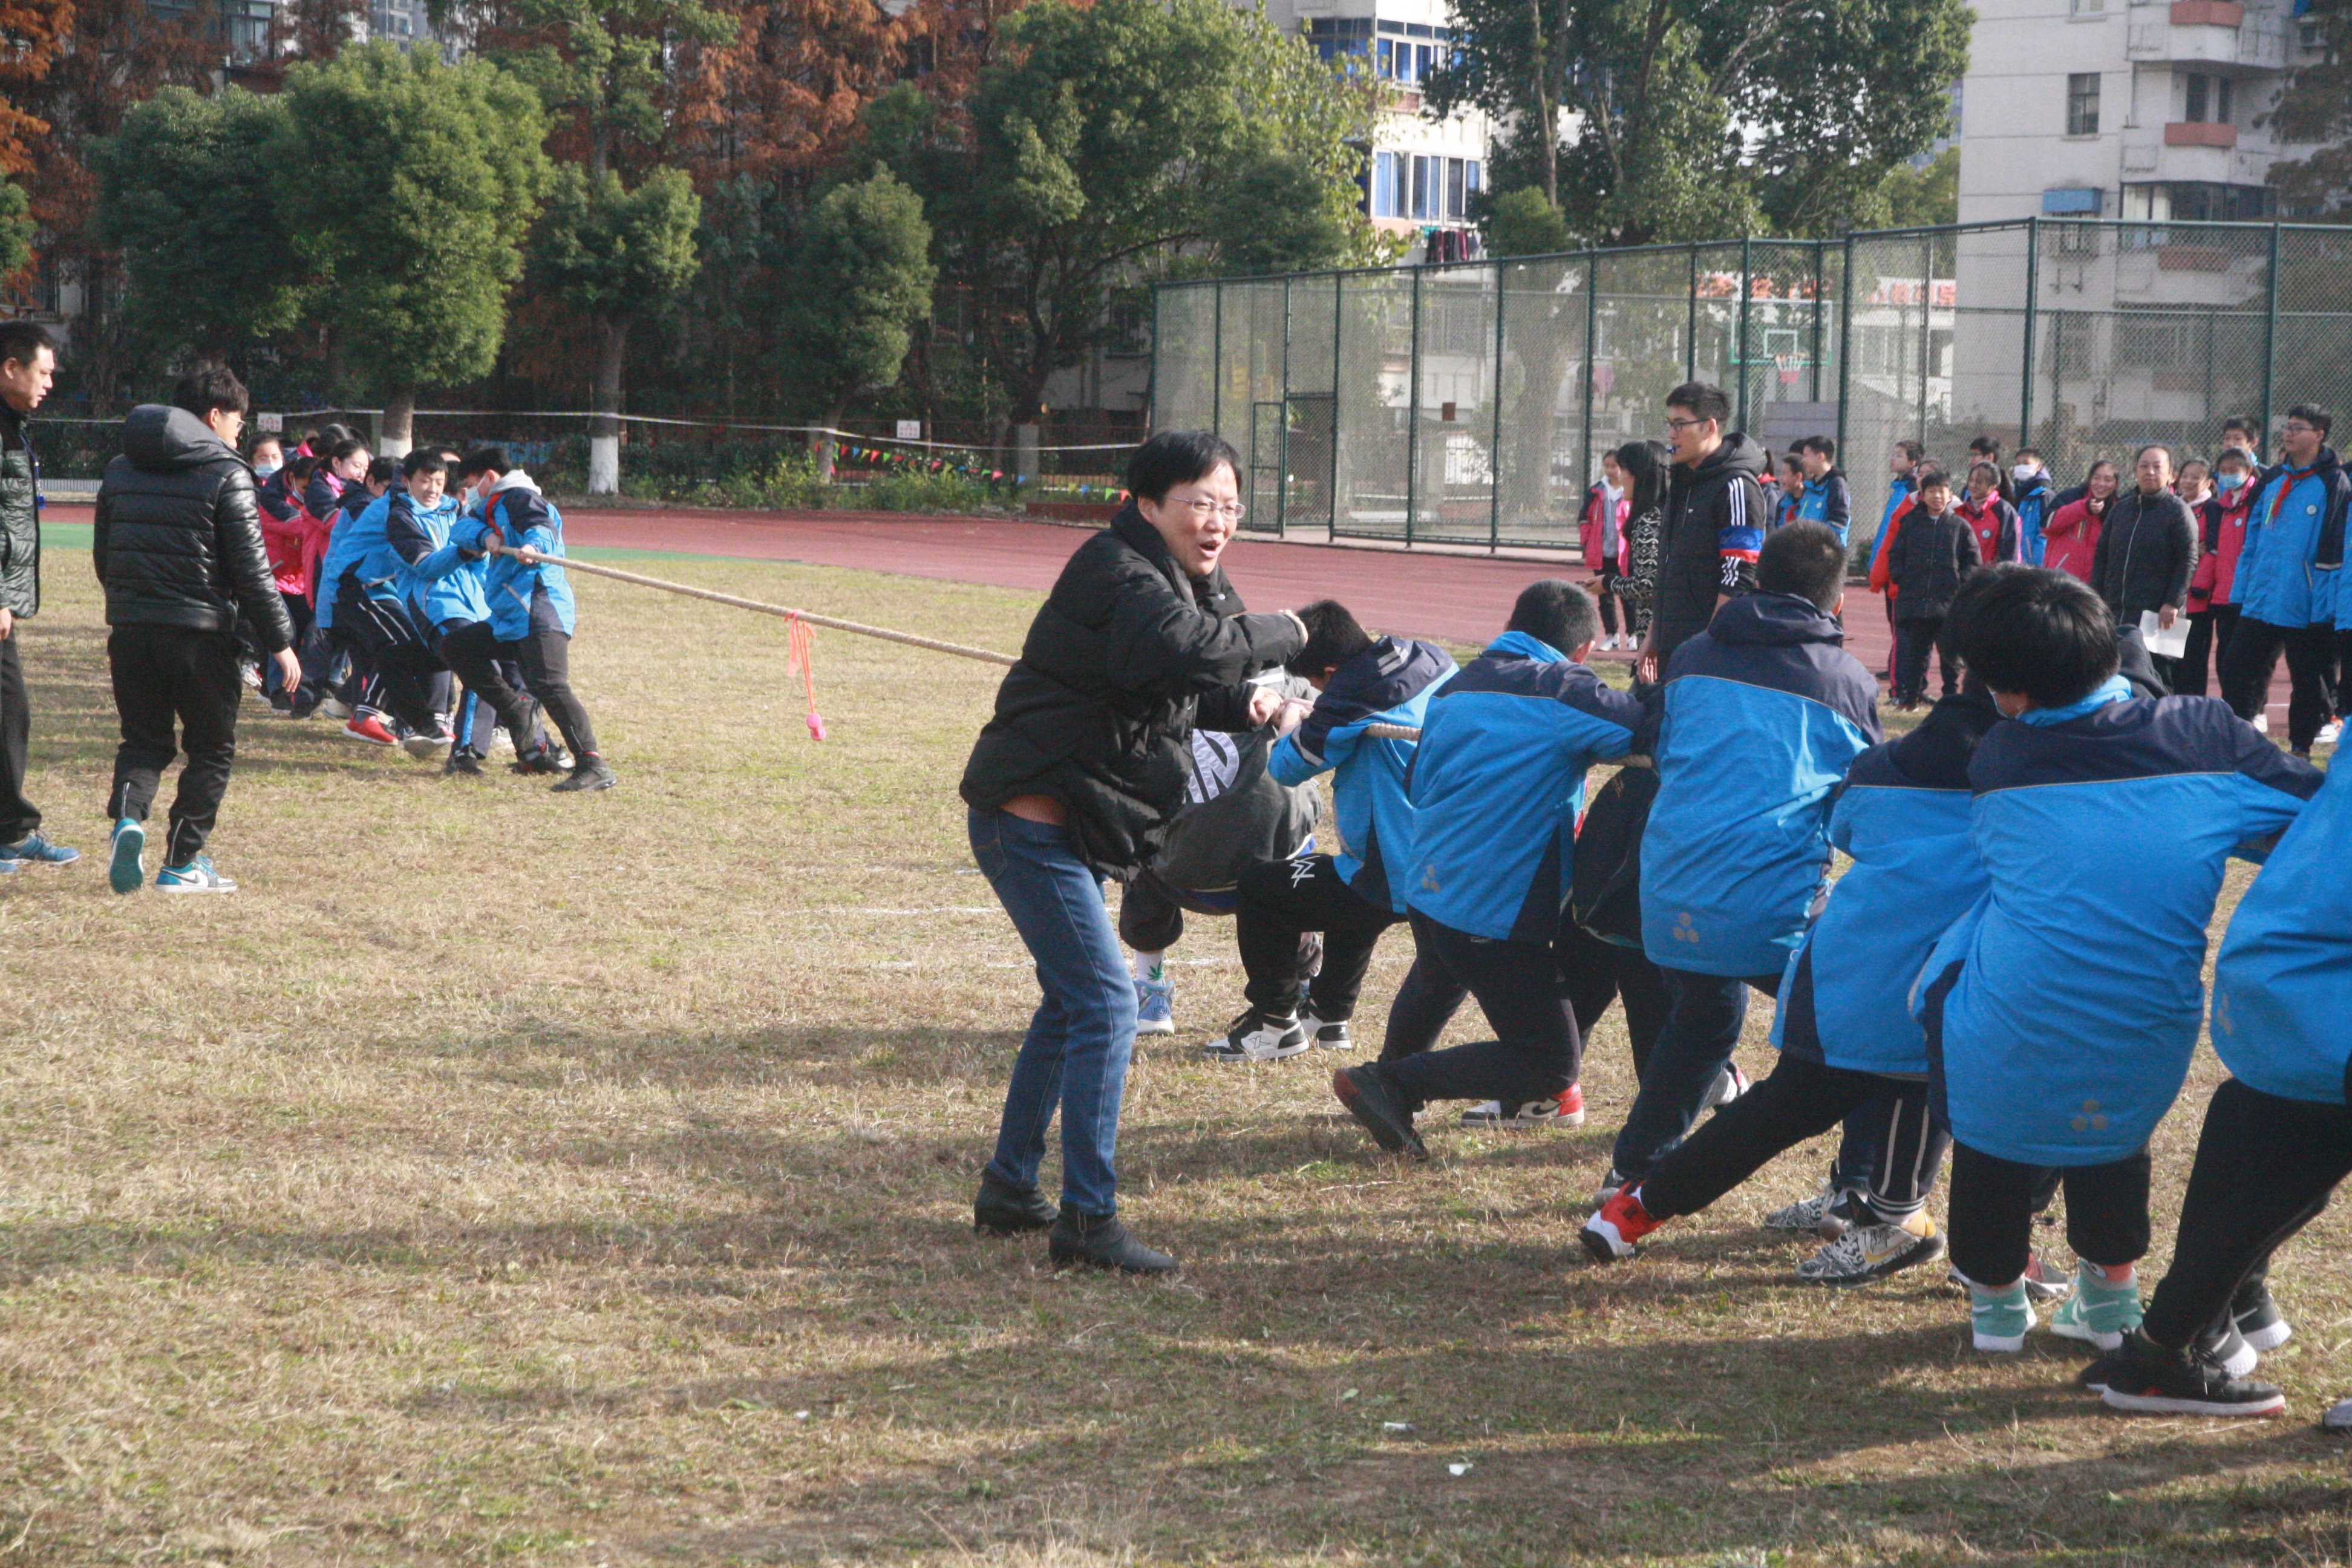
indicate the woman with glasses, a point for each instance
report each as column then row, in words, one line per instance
column 1141, row 640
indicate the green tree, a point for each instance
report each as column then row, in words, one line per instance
column 862, row 283
column 2316, row 111
column 16, row 229
column 419, row 183
column 1918, row 197
column 188, row 194
column 614, row 254
column 611, row 72
column 1697, row 118
column 1107, row 144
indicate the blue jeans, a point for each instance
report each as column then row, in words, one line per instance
column 1076, row 1053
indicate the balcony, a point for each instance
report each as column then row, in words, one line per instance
column 2209, row 33
column 2201, row 133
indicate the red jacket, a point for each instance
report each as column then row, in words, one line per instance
column 2221, row 526
column 1882, row 581
column 2071, row 538
column 1999, row 537
column 1594, row 536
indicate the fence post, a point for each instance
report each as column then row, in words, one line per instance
column 1495, row 449
column 1845, row 342
column 1217, row 358
column 1592, row 366
column 1746, row 289
column 1282, row 442
column 1339, row 315
column 1821, row 288
column 2270, row 339
column 1690, row 329
column 2033, row 295
column 1412, row 415
column 1927, row 325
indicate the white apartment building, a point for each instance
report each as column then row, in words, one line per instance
column 2123, row 109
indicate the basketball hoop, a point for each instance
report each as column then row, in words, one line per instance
column 1788, row 365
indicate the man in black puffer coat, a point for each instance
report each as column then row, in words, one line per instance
column 177, row 541
column 28, row 363
column 1714, row 516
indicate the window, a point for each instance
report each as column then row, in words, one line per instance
column 2088, row 7
column 1334, row 36
column 2206, row 98
column 1423, row 188
column 1384, row 59
column 2083, row 104
column 1388, row 195
column 1456, row 189
column 2307, row 35
column 1474, row 173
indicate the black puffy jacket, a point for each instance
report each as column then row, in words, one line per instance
column 1715, row 519
column 20, row 517
column 2147, row 551
column 177, row 538
column 1126, row 656
column 1929, row 562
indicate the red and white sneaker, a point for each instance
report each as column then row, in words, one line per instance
column 1565, row 1108
column 367, row 727
column 1610, row 1235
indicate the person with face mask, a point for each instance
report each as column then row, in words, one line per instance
column 2034, row 500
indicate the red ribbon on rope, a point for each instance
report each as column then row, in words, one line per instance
column 800, row 652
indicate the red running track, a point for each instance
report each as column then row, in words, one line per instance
column 1460, row 599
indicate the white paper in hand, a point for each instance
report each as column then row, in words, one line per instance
column 2161, row 644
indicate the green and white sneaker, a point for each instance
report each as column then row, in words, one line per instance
column 126, row 860
column 1998, row 1321
column 2097, row 1313
column 192, row 876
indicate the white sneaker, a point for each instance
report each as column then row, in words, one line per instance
column 1806, row 1213
column 1563, row 1110
column 1729, row 1085
column 1869, row 1252
column 1253, row 1037
column 500, row 742
column 1330, row 1033
column 2261, row 721
column 2329, row 733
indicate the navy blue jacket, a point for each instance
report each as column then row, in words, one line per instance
column 2072, row 991
column 1498, row 782
column 1765, row 711
column 1388, row 683
column 2282, row 987
column 1903, row 815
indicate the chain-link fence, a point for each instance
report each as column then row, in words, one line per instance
column 1471, row 404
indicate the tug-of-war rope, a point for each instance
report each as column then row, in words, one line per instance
column 801, row 648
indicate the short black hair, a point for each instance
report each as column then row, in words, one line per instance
column 210, row 384
column 424, row 460
column 24, row 341
column 323, row 438
column 1988, row 467
column 2237, row 455
column 1985, row 444
column 2032, row 452
column 382, row 470
column 1825, row 445
column 269, row 438
column 1703, row 398
column 2320, row 419
column 1789, row 460
column 2153, row 446
column 1912, row 449
column 301, row 467
column 484, row 461
column 345, row 447
column 1176, row 457
column 1929, row 476
column 1555, row 612
column 1806, row 559
column 2039, row 631
column 2238, row 422
column 1333, row 637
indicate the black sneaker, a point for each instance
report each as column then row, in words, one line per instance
column 589, row 773
column 2258, row 1318
column 1003, row 1209
column 546, row 760
column 463, row 763
column 1100, row 1241
column 1325, row 1034
column 1371, row 1102
column 1256, row 1037
column 2146, row 1380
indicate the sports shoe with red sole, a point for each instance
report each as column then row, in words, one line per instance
column 1610, row 1235
column 1565, row 1108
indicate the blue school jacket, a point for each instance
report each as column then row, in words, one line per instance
column 442, row 587
column 2063, row 1008
column 1765, row 711
column 1828, row 501
column 2293, row 551
column 2282, row 987
column 2034, row 510
column 356, row 546
column 524, row 516
column 1903, row 815
column 1388, row 683
column 1496, row 783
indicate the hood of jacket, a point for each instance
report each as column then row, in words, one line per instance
column 1773, row 620
column 1739, row 453
column 157, row 436
column 513, row 480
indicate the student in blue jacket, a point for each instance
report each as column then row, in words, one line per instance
column 1765, row 711
column 1845, row 1029
column 530, row 603
column 1828, row 499
column 2034, row 503
column 1498, row 781
column 2061, row 1009
column 2286, row 583
column 362, row 603
column 1355, row 895
column 2277, row 1136
column 445, row 589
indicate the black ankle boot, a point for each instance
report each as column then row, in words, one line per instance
column 1100, row 1241
column 1003, row 1209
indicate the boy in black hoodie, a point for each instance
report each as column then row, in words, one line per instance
column 1935, row 552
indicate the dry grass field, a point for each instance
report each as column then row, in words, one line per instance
column 512, row 1177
